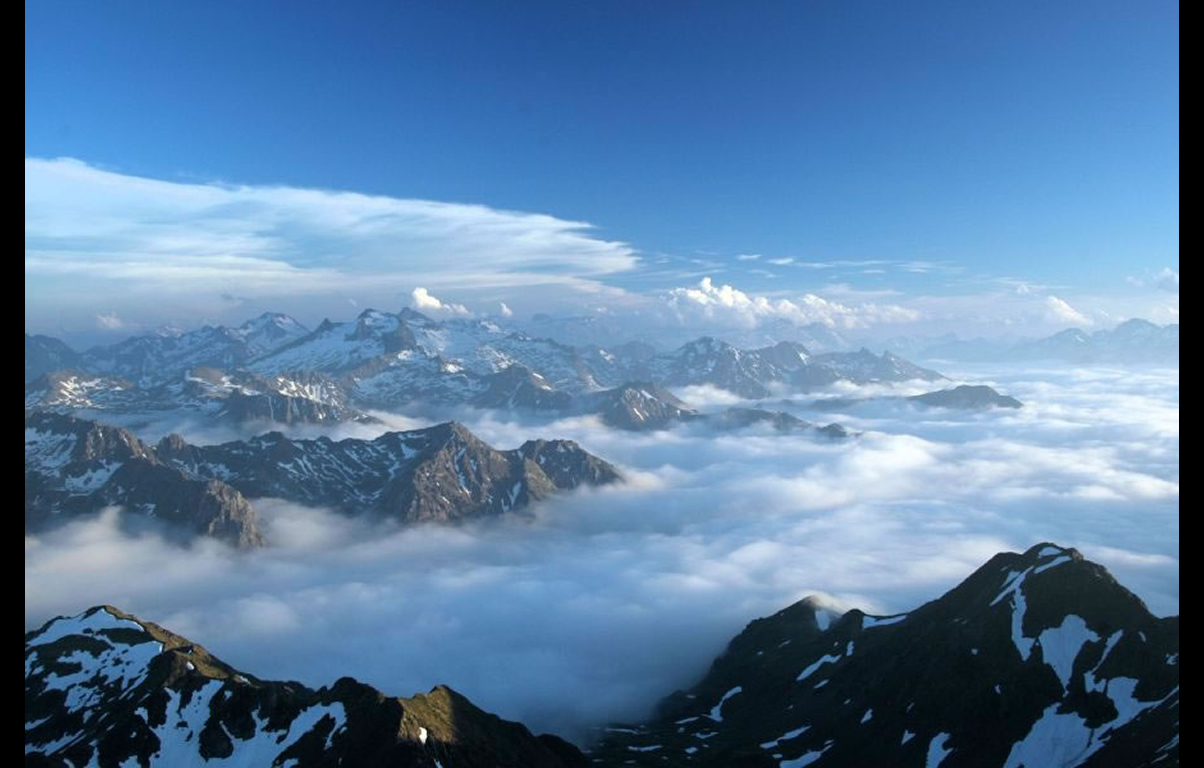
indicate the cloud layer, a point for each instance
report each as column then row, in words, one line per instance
column 91, row 232
column 603, row 601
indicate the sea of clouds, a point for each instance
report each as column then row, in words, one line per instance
column 596, row 604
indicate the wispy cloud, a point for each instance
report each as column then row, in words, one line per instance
column 109, row 321
column 1168, row 280
column 92, row 232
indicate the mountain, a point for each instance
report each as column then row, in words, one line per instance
column 519, row 387
column 383, row 345
column 339, row 349
column 1133, row 342
column 46, row 353
column 438, row 474
column 966, row 397
column 1037, row 659
column 105, row 688
column 740, row 418
column 155, row 359
column 75, row 467
column 638, row 406
column 206, row 393
column 388, row 360
column 754, row 373
column 864, row 367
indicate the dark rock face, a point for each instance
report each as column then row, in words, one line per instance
column 967, row 397
column 75, row 467
column 106, row 688
column 439, row 474
column 1036, row 659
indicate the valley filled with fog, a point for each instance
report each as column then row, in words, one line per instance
column 587, row 608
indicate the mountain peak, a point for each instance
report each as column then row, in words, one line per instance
column 1037, row 658
column 106, row 687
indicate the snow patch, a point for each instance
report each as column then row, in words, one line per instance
column 716, row 711
column 937, row 752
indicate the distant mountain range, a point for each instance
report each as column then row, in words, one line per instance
column 273, row 369
column 1036, row 659
column 440, row 474
column 206, row 393
column 1132, row 342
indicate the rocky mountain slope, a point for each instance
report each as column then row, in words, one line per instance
column 76, row 467
column 1037, row 659
column 105, row 688
column 438, row 474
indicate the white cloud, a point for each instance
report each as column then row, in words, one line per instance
column 748, row 256
column 783, row 261
column 423, row 301
column 710, row 304
column 95, row 234
column 602, row 602
column 109, row 321
column 1168, row 280
column 504, row 310
column 1060, row 311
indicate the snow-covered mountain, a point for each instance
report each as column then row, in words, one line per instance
column 271, row 368
column 105, row 688
column 155, row 359
column 206, row 393
column 1037, row 659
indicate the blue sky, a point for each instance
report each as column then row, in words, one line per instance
column 966, row 163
